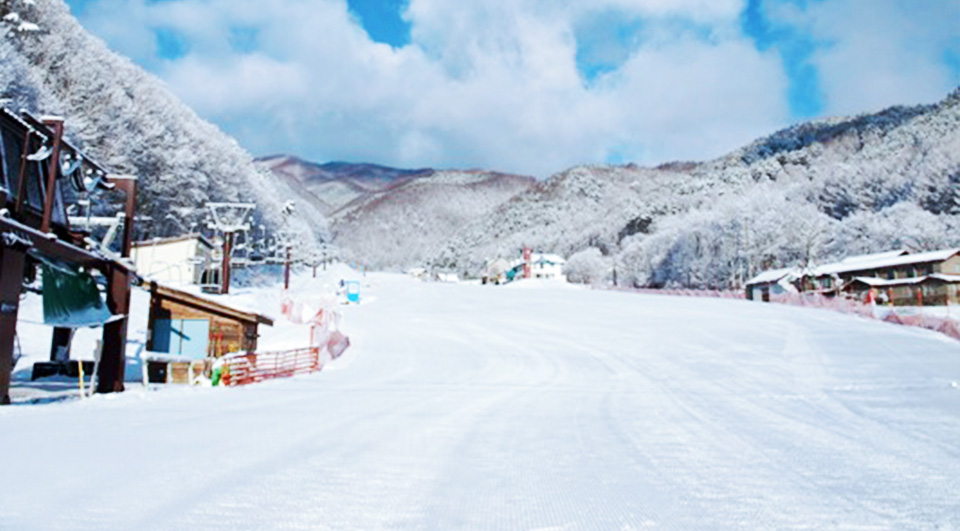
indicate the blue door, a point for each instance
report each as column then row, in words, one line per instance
column 195, row 338
column 183, row 337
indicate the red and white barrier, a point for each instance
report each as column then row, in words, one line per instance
column 326, row 343
column 253, row 367
column 904, row 316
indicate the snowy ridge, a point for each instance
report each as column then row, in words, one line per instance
column 404, row 223
column 335, row 185
column 814, row 192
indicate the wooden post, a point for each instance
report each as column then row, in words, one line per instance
column 286, row 271
column 113, row 360
column 22, row 173
column 56, row 125
column 11, row 278
column 225, row 265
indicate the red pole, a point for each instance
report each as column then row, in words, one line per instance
column 526, row 262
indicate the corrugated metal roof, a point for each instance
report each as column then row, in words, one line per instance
column 884, row 262
column 888, row 283
column 774, row 275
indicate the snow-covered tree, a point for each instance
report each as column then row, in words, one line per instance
column 587, row 267
column 130, row 122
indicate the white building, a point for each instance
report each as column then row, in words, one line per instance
column 178, row 261
column 548, row 266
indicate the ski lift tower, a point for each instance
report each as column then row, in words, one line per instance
column 286, row 240
column 228, row 219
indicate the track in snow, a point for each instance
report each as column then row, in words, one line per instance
column 480, row 407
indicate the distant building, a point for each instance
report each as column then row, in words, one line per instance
column 547, row 266
column 774, row 282
column 186, row 259
column 895, row 277
column 929, row 290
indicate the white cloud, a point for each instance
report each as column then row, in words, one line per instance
column 483, row 84
column 877, row 53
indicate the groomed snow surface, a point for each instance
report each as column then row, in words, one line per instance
column 477, row 407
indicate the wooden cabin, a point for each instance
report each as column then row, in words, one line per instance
column 773, row 282
column 888, row 266
column 931, row 290
column 894, row 277
column 192, row 326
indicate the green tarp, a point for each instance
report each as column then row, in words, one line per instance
column 71, row 298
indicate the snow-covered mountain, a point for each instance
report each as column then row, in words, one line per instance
column 812, row 192
column 333, row 185
column 127, row 119
column 404, row 223
column 391, row 218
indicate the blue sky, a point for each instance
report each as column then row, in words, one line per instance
column 530, row 86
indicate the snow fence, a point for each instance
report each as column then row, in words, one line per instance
column 929, row 318
column 326, row 343
column 946, row 322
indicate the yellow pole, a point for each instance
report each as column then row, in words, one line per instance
column 80, row 382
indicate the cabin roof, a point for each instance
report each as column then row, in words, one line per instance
column 206, row 304
column 774, row 275
column 880, row 261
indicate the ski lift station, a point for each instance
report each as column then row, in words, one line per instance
column 49, row 246
column 41, row 176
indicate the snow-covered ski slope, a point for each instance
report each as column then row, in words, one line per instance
column 477, row 407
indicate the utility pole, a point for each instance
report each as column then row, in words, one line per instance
column 286, row 270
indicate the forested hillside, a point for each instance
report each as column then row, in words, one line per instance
column 810, row 193
column 402, row 225
column 129, row 121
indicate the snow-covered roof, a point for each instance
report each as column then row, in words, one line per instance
column 537, row 258
column 191, row 296
column 774, row 275
column 549, row 258
column 886, row 255
column 879, row 261
column 175, row 239
column 886, row 283
column 952, row 279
